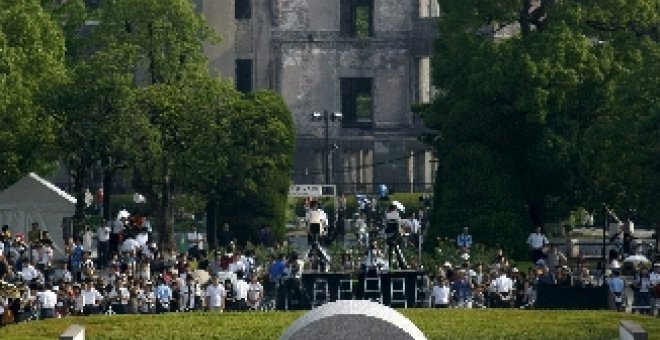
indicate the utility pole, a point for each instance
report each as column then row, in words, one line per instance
column 327, row 116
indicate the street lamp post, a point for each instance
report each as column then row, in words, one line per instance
column 327, row 116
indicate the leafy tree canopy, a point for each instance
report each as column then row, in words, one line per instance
column 31, row 68
column 530, row 93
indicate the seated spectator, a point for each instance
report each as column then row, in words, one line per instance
column 440, row 293
column 462, row 290
column 544, row 275
column 29, row 273
column 215, row 294
column 255, row 293
column 503, row 290
column 230, row 296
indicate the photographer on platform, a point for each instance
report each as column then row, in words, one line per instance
column 394, row 232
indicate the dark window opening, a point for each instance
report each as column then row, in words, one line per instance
column 357, row 102
column 244, row 75
column 357, row 17
column 243, row 10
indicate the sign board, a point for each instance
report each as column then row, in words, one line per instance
column 312, row 190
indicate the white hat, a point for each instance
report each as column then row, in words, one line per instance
column 465, row 256
column 514, row 270
column 447, row 264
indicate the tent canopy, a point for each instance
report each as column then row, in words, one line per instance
column 33, row 199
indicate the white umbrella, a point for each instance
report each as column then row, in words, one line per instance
column 123, row 214
column 637, row 259
column 399, row 206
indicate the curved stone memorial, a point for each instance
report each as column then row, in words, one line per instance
column 353, row 320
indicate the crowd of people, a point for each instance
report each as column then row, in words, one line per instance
column 498, row 284
column 129, row 274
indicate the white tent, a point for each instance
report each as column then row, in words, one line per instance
column 33, row 199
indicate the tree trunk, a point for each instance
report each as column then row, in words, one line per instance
column 167, row 225
column 108, row 179
column 79, row 190
column 535, row 215
column 211, row 224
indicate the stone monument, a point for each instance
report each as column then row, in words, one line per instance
column 353, row 320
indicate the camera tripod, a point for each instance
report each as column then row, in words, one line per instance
column 318, row 257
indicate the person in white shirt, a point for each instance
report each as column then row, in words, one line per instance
column 237, row 265
column 103, row 244
column 191, row 295
column 119, row 297
column 503, row 290
column 142, row 238
column 242, row 288
column 91, row 298
column 255, row 293
column 215, row 295
column 440, row 293
column 29, row 273
column 129, row 245
column 316, row 220
column 537, row 241
column 47, row 301
column 147, row 299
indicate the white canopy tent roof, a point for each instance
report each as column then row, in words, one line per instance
column 33, row 199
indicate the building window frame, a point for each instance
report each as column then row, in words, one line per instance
column 357, row 102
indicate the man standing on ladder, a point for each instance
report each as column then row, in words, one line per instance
column 317, row 223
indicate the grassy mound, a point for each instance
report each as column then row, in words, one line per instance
column 436, row 324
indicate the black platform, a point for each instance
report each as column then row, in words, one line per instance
column 318, row 288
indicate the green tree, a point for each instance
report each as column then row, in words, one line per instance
column 522, row 85
column 168, row 37
column 260, row 161
column 96, row 118
column 31, row 68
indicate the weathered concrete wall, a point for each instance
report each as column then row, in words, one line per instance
column 308, row 15
column 297, row 50
column 392, row 16
column 220, row 16
column 241, row 39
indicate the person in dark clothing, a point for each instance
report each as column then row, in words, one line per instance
column 203, row 263
column 230, row 297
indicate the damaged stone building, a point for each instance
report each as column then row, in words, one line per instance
column 365, row 59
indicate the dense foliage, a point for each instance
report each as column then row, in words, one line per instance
column 31, row 67
column 124, row 85
column 435, row 324
column 544, row 107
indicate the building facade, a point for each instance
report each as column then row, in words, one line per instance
column 366, row 59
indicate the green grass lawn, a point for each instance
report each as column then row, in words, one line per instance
column 436, row 324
